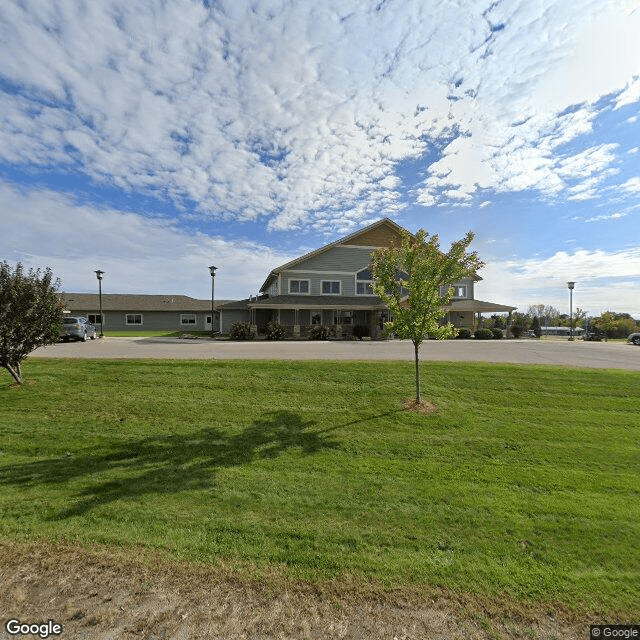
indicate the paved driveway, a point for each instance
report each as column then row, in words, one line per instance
column 601, row 355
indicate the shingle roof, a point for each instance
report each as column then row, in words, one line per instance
column 135, row 302
column 478, row 306
column 325, row 302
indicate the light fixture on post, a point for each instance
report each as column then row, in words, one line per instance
column 212, row 271
column 571, row 285
column 99, row 275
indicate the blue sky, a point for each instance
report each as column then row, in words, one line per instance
column 151, row 140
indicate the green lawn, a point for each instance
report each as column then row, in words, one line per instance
column 526, row 483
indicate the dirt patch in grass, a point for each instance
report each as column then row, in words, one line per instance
column 424, row 406
column 123, row 593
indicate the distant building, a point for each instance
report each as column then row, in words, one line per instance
column 123, row 312
column 332, row 286
column 329, row 286
column 560, row 331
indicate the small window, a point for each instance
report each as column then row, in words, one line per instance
column 134, row 318
column 460, row 291
column 364, row 288
column 331, row 287
column 94, row 318
column 298, row 286
column 187, row 318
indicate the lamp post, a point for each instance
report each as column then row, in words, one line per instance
column 212, row 271
column 99, row 275
column 570, row 285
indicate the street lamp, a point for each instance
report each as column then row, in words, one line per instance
column 99, row 275
column 570, row 285
column 212, row 271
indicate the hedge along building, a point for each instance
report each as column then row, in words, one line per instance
column 332, row 286
column 124, row 312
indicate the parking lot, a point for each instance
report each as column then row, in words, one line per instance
column 602, row 355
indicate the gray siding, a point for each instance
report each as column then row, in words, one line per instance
column 151, row 320
column 347, row 282
column 231, row 316
column 350, row 259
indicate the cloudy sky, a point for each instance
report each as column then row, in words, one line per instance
column 152, row 139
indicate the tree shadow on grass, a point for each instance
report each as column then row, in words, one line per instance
column 169, row 463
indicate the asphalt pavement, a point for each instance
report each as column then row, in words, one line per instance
column 600, row 355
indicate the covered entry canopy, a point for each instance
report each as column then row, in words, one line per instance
column 479, row 306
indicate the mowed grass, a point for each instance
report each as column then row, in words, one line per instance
column 524, row 484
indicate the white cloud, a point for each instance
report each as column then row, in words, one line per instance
column 296, row 111
column 613, row 216
column 138, row 254
column 604, row 280
column 632, row 185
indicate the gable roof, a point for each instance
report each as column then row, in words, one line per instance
column 383, row 233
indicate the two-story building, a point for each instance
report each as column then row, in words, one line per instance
column 332, row 286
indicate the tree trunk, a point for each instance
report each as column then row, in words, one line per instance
column 416, row 348
column 14, row 372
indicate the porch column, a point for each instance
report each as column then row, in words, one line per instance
column 296, row 324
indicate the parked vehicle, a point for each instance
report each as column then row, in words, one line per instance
column 634, row 338
column 594, row 335
column 77, row 328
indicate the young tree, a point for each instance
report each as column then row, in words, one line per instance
column 30, row 314
column 414, row 280
column 535, row 326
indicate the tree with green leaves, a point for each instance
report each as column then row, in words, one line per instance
column 30, row 314
column 535, row 326
column 415, row 281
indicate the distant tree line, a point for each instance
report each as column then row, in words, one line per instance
column 613, row 324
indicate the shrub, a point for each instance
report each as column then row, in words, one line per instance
column 483, row 334
column 516, row 330
column 321, row 332
column 275, row 331
column 497, row 333
column 464, row 334
column 360, row 331
column 241, row 331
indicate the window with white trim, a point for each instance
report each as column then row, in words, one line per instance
column 298, row 286
column 133, row 318
column 187, row 318
column 331, row 287
column 459, row 290
column 364, row 288
column 364, row 283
